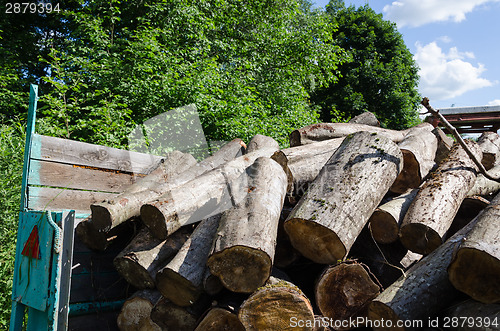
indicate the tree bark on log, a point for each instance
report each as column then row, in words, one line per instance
column 275, row 306
column 135, row 314
column 484, row 186
column 324, row 131
column 329, row 217
column 344, row 291
column 386, row 219
column 259, row 142
column 305, row 163
column 366, row 118
column 243, row 250
column 199, row 198
column 474, row 316
column 489, row 142
column 419, row 150
column 444, row 145
column 475, row 269
column 181, row 280
column 145, row 255
column 220, row 319
column 436, row 204
column 172, row 317
column 423, row 291
column 175, row 171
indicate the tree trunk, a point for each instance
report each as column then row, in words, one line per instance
column 419, row 150
column 220, row 319
column 329, row 217
column 366, row 118
column 259, row 142
column 324, row 131
column 145, row 255
column 444, row 145
column 175, row 171
column 276, row 306
column 181, row 280
column 436, row 204
column 386, row 219
column 344, row 291
column 475, row 269
column 136, row 312
column 489, row 142
column 243, row 250
column 305, row 163
column 172, row 317
column 484, row 186
column 422, row 291
column 199, row 198
column 473, row 316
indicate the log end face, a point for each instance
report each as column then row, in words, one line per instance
column 384, row 227
column 176, row 288
column 410, row 176
column 135, row 315
column 295, row 138
column 154, row 219
column 220, row 319
column 91, row 237
column 477, row 274
column 241, row 269
column 133, row 273
column 378, row 312
column 419, row 238
column 315, row 241
column 101, row 217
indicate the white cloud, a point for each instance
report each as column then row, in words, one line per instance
column 419, row 12
column 447, row 75
column 494, row 103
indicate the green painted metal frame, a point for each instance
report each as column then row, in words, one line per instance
column 41, row 286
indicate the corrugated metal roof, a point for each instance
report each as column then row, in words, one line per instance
column 469, row 110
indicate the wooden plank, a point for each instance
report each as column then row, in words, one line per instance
column 45, row 173
column 48, row 198
column 84, row 154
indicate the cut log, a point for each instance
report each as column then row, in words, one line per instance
column 199, row 198
column 422, row 291
column 211, row 284
column 444, row 145
column 145, row 255
column 177, row 169
column 220, row 319
column 324, row 131
column 329, row 217
column 469, row 209
column 259, row 142
column 419, row 150
column 181, row 280
column 344, row 291
column 475, row 269
column 387, row 262
column 109, row 213
column 172, row 317
column 366, row 118
column 484, row 186
column 473, row 316
column 305, row 163
column 489, row 142
column 136, row 312
column 100, row 241
column 243, row 250
column 279, row 305
column 436, row 204
column 386, row 219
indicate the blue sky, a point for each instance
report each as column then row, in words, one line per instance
column 456, row 44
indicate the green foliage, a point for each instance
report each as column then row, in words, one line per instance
column 244, row 65
column 11, row 164
column 381, row 75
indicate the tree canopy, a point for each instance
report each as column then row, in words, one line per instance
column 250, row 67
column 381, row 76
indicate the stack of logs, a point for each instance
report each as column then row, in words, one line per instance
column 352, row 222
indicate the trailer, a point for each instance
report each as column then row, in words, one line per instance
column 59, row 283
